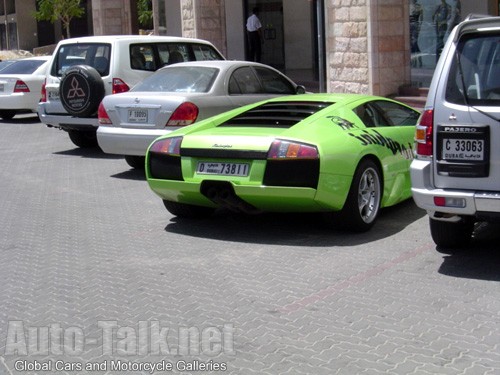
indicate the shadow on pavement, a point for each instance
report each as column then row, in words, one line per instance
column 297, row 229
column 480, row 260
column 26, row 119
column 93, row 152
column 131, row 174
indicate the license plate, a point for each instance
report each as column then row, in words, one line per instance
column 137, row 115
column 53, row 95
column 223, row 169
column 463, row 149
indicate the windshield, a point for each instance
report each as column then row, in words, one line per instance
column 475, row 73
column 22, row 67
column 179, row 79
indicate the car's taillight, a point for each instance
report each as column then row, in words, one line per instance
column 167, row 146
column 119, row 86
column 103, row 116
column 185, row 114
column 43, row 92
column 292, row 150
column 21, row 86
column 423, row 133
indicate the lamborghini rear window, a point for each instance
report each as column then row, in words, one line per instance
column 276, row 114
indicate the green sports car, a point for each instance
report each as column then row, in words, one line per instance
column 342, row 155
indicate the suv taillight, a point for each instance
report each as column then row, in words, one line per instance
column 119, row 86
column 103, row 116
column 43, row 92
column 423, row 133
column 185, row 114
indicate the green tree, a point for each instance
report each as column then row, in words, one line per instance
column 145, row 13
column 63, row 10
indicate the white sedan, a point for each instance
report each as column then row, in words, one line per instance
column 179, row 95
column 20, row 85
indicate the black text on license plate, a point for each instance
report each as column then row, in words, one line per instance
column 137, row 115
column 224, row 169
column 53, row 95
column 463, row 149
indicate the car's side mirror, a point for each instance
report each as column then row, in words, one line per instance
column 300, row 89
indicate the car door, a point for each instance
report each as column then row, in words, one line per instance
column 391, row 126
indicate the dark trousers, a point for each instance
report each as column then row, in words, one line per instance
column 254, row 46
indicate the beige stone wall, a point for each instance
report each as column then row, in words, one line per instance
column 112, row 17
column 205, row 19
column 367, row 46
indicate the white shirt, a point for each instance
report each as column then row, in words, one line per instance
column 253, row 23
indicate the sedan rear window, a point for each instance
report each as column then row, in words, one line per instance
column 23, row 67
column 179, row 79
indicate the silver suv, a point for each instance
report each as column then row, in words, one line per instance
column 456, row 172
column 83, row 70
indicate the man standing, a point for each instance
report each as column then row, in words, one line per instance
column 254, row 30
column 441, row 17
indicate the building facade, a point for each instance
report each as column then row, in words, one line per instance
column 364, row 46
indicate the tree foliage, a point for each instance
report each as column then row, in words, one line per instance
column 145, row 13
column 63, row 10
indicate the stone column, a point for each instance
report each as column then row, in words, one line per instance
column 205, row 19
column 367, row 46
column 114, row 17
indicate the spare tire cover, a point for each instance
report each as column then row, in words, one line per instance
column 81, row 90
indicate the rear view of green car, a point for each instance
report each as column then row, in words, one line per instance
column 344, row 156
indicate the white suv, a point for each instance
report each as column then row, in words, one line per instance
column 83, row 70
column 456, row 172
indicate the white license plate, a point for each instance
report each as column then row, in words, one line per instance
column 223, row 169
column 53, row 95
column 463, row 149
column 137, row 115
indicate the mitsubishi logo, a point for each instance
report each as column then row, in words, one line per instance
column 75, row 91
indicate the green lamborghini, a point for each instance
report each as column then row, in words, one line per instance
column 345, row 156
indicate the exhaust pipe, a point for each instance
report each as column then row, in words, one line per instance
column 224, row 196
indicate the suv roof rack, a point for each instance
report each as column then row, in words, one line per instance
column 475, row 16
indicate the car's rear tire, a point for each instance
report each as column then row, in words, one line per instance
column 362, row 205
column 451, row 237
column 188, row 210
column 7, row 114
column 135, row 161
column 83, row 138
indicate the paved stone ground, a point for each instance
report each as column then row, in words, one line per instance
column 94, row 272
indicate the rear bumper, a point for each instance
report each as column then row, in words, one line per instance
column 477, row 203
column 268, row 198
column 18, row 102
column 123, row 141
column 67, row 122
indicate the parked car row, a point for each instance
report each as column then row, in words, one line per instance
column 213, row 133
column 20, row 85
column 238, row 135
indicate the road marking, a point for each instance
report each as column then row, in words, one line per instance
column 353, row 280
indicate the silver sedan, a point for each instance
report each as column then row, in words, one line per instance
column 179, row 95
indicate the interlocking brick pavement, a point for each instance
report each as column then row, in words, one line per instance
column 85, row 245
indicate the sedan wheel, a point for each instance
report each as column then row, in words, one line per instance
column 136, row 162
column 362, row 206
column 7, row 114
